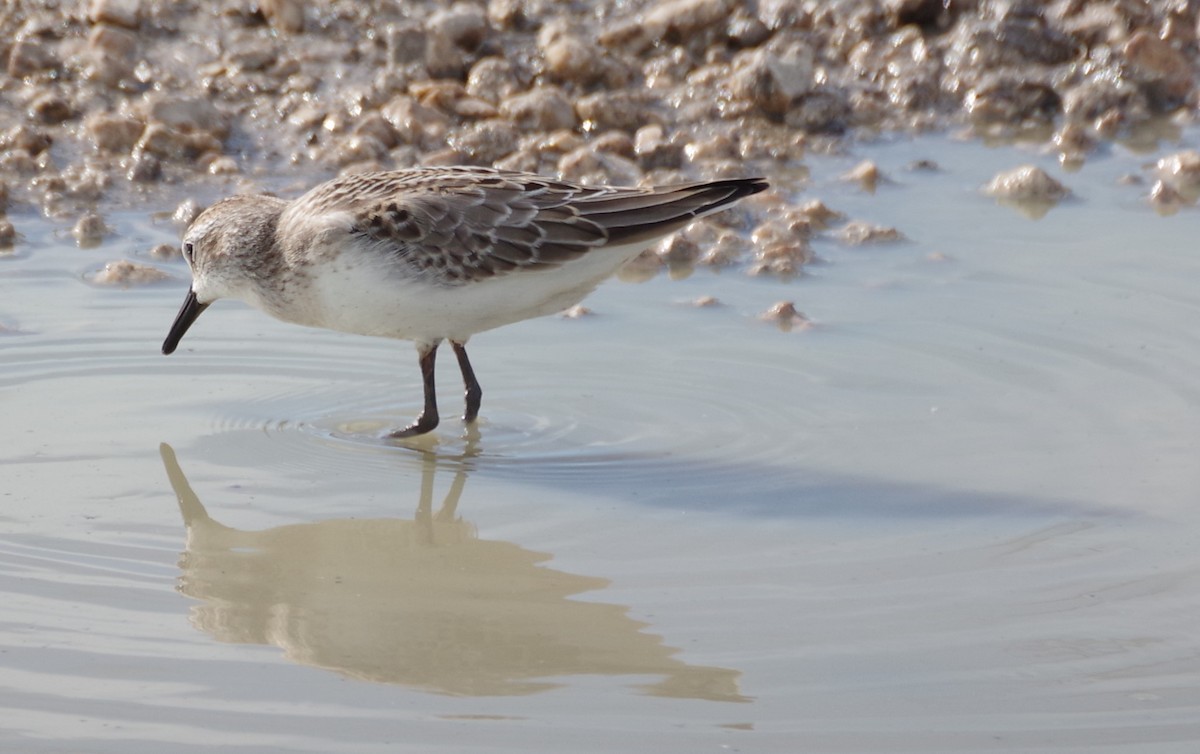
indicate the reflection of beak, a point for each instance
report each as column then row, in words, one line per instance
column 183, row 320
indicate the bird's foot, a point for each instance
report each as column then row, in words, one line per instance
column 423, row 425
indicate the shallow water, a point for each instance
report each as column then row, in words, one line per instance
column 958, row 514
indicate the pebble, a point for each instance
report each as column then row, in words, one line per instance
column 1158, row 62
column 1166, row 199
column 115, row 134
column 728, row 249
column 50, row 108
column 587, row 165
column 819, row 215
column 485, row 142
column 786, row 317
column 679, row 20
column 545, row 108
column 858, row 233
column 867, row 175
column 89, row 231
column 621, row 110
column 166, row 251
column 125, row 274
column 578, row 311
column 8, row 234
column 493, row 79
column 112, row 52
column 284, row 15
column 188, row 114
column 1182, row 169
column 31, row 55
column 184, row 214
column 126, row 13
column 1027, row 183
column 654, row 149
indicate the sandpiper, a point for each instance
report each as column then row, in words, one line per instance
column 430, row 254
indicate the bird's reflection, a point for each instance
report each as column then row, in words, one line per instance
column 423, row 602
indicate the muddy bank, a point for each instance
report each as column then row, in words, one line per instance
column 148, row 102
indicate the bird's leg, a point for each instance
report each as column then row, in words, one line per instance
column 473, row 392
column 428, row 419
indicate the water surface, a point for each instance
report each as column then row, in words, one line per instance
column 957, row 514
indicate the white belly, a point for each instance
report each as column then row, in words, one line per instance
column 359, row 295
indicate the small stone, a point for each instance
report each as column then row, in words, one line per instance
column 577, row 312
column 284, row 15
column 112, row 52
column 168, row 143
column 485, row 142
column 1182, row 169
column 17, row 161
column 655, row 150
column 641, row 268
column 545, row 108
column 680, row 20
column 166, row 251
column 187, row 211
column 786, row 317
column 463, row 23
column 405, row 44
column 117, row 12
column 1155, row 60
column 8, row 234
column 1074, row 142
column 621, row 110
column 781, row 258
column 114, row 134
column 859, row 233
column 188, row 115
column 819, row 215
column 307, row 116
column 359, row 148
column 30, row 55
column 125, row 274
column 223, row 165
column 866, row 174
column 143, row 167
column 677, row 249
column 771, row 81
column 614, row 142
column 705, row 302
column 569, row 56
column 493, row 79
column 251, row 56
column 586, row 165
column 1166, row 199
column 50, row 108
column 25, row 138
column 86, row 182
column 451, row 35
column 1027, row 183
column 728, row 249
column 90, row 230
column 415, row 123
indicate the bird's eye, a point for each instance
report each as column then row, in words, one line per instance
column 189, row 251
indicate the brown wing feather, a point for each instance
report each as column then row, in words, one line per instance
column 465, row 224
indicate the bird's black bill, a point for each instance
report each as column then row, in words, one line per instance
column 183, row 320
